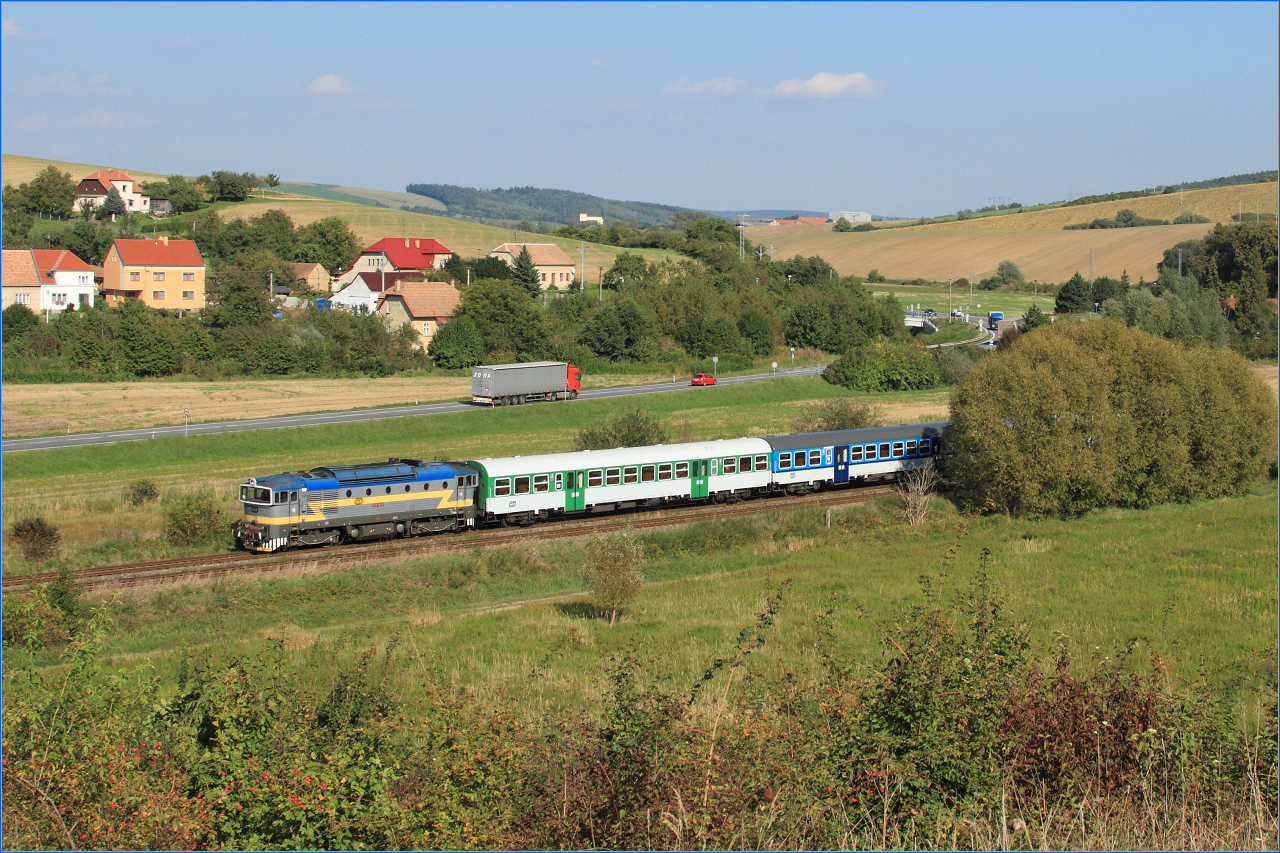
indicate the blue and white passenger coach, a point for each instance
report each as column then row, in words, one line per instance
column 807, row 461
column 399, row 497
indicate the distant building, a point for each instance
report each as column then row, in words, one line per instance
column 162, row 206
column 163, row 273
column 555, row 268
column 397, row 254
column 849, row 216
column 313, row 276
column 422, row 304
column 367, row 288
column 803, row 220
column 599, row 220
column 46, row 280
column 92, row 191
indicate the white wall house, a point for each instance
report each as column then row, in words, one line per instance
column 65, row 280
column 367, row 288
column 93, row 190
column 849, row 216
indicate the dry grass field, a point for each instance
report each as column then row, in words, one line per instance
column 19, row 170
column 937, row 255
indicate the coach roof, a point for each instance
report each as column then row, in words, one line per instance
column 592, row 459
column 870, row 435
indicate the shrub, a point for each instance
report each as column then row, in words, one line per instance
column 631, row 428
column 875, row 278
column 613, row 573
column 141, row 492
column 1189, row 218
column 954, row 363
column 37, row 538
column 190, row 519
column 837, row 413
column 885, row 366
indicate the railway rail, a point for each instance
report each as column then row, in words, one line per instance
column 222, row 565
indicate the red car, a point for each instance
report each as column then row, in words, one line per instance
column 702, row 379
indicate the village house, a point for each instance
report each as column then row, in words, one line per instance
column 93, row 190
column 363, row 292
column 422, row 304
column 312, row 276
column 46, row 280
column 555, row 268
column 397, row 254
column 163, row 273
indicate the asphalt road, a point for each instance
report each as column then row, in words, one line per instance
column 53, row 442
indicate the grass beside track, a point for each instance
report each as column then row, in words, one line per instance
column 1193, row 583
column 79, row 489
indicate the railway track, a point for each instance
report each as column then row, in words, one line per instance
column 222, row 565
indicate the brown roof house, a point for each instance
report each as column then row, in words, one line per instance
column 555, row 268
column 423, row 304
column 21, row 282
column 313, row 276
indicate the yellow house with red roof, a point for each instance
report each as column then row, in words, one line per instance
column 163, row 273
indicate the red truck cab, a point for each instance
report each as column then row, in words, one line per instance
column 573, row 381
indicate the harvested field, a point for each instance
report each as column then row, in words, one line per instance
column 20, row 170
column 937, row 255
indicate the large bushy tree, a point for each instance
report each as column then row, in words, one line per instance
column 458, row 343
column 507, row 319
column 1073, row 297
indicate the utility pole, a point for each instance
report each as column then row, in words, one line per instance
column 948, row 298
column 1179, row 263
column 582, row 250
column 970, row 286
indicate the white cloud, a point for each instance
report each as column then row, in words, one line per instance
column 11, row 28
column 717, row 87
column 329, row 84
column 824, row 86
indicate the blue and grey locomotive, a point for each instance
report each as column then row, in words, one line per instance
column 399, row 497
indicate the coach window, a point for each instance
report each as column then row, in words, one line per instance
column 715, row 467
column 541, row 483
column 911, row 448
column 664, row 471
column 631, row 475
column 612, row 476
column 784, row 461
column 897, row 449
column 522, row 485
column 815, row 457
column 884, row 450
column 595, row 478
column 828, row 452
column 871, row 453
column 502, row 488
column 731, row 466
column 560, row 481
column 744, row 464
column 682, row 470
column 855, row 453
column 648, row 473
column 762, row 463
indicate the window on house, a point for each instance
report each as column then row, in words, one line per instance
column 426, row 328
column 131, row 202
column 731, row 466
column 188, row 276
column 188, row 294
column 682, row 470
column 613, row 477
column 541, row 483
column 595, row 478
column 134, row 276
column 157, row 294
column 544, row 276
column 664, row 471
column 22, row 299
column 84, row 299
column 502, row 488
column 157, row 276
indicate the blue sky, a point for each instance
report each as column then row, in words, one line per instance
column 917, row 108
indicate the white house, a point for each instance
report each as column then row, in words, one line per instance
column 93, row 190
column 397, row 254
column 849, row 216
column 367, row 287
column 47, row 280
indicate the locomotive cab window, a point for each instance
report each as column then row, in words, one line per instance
column 682, row 470
column 502, row 488
column 664, row 471
column 731, row 466
column 631, row 475
column 815, row 457
column 595, row 478
column 762, row 463
column 293, row 496
column 252, row 494
column 522, row 485
column 784, row 461
column 911, row 448
column 648, row 474
column 541, row 483
column 897, row 449
column 612, row 476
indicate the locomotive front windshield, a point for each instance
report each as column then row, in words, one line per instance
column 252, row 494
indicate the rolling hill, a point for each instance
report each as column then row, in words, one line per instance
column 19, row 170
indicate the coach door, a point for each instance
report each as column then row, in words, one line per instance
column 842, row 464
column 698, row 474
column 575, row 499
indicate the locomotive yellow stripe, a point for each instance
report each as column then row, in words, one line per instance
column 369, row 501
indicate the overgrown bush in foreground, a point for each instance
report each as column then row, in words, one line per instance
column 191, row 518
column 885, row 366
column 961, row 736
column 1085, row 415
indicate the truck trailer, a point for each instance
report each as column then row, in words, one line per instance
column 516, row 384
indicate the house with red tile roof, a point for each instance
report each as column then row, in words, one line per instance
column 555, row 268
column 47, row 280
column 364, row 290
column 21, row 279
column 424, row 305
column 397, row 254
column 93, row 190
column 163, row 273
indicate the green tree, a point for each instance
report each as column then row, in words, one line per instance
column 630, row 428
column 1105, row 287
column 1010, row 273
column 842, row 226
column 508, row 320
column 51, row 193
column 329, row 242
column 1073, row 297
column 620, row 330
column 490, row 268
column 230, row 186
column 458, row 343
column 613, row 575
column 17, row 229
column 808, row 325
column 1034, row 319
column 525, row 274
column 147, row 348
column 756, row 330
column 885, row 366
column 238, row 297
column 113, row 205
column 16, row 321
column 626, row 266
column 875, row 277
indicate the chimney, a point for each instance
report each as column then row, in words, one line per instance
column 417, row 244
column 406, row 242
column 163, row 241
